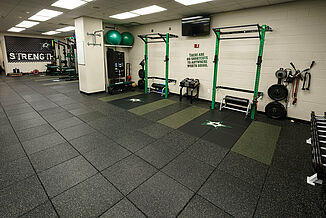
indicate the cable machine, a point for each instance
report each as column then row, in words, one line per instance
column 241, row 29
column 158, row 38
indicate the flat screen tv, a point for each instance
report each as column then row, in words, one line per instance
column 196, row 26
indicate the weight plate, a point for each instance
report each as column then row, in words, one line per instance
column 281, row 73
column 141, row 73
column 275, row 110
column 278, row 92
column 141, row 84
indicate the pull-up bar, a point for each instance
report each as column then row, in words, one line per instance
column 157, row 38
column 253, row 28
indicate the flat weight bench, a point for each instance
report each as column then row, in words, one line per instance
column 236, row 104
column 159, row 87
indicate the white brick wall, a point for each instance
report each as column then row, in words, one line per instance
column 299, row 36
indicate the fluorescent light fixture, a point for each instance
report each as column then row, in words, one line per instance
column 124, row 15
column 68, row 4
column 191, row 2
column 27, row 24
column 16, row 29
column 148, row 10
column 66, row 29
column 39, row 18
column 51, row 33
column 45, row 15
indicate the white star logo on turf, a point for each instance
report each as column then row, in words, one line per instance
column 216, row 124
column 135, row 100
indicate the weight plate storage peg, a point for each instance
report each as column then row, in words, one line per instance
column 275, row 110
column 278, row 92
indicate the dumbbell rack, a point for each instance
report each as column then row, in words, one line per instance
column 318, row 146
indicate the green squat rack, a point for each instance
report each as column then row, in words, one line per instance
column 158, row 38
column 253, row 31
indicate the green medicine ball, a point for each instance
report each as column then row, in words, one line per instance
column 127, row 38
column 113, row 37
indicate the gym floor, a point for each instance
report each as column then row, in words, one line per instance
column 67, row 154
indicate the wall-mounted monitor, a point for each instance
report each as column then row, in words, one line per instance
column 196, row 26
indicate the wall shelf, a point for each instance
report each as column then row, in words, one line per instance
column 118, row 46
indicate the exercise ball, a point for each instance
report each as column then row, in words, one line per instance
column 113, row 37
column 127, row 38
column 134, row 84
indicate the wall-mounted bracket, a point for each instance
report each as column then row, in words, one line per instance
column 95, row 34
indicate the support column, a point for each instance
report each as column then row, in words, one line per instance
column 91, row 65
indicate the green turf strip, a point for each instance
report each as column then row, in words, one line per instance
column 144, row 109
column 119, row 96
column 258, row 142
column 182, row 117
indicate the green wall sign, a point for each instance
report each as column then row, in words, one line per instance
column 196, row 60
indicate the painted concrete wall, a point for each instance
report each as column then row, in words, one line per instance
column 299, row 37
column 27, row 66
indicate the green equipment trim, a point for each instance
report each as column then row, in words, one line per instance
column 241, row 29
column 157, row 38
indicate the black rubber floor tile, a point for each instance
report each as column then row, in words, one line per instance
column 34, row 132
column 129, row 173
column 63, row 176
column 20, row 111
column 207, row 152
column 49, row 112
column 219, row 137
column 164, row 112
column 18, row 125
column 135, row 141
column 73, row 106
column 238, row 118
column 43, row 105
column 189, row 171
column 231, row 194
column 178, row 139
column 200, row 207
column 21, row 106
column 145, row 99
column 58, row 116
column 21, row 197
column 24, row 116
column 43, row 142
column 123, row 209
column 76, row 131
column 66, row 123
column 284, row 194
column 52, row 156
column 159, row 154
column 80, row 111
column 156, row 130
column 104, row 157
column 90, row 198
column 244, row 168
column 7, row 136
column 91, row 116
column 91, row 141
column 160, row 196
column 196, row 127
column 14, row 171
column 44, row 210
column 11, row 152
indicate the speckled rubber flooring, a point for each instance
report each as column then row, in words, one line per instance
column 66, row 154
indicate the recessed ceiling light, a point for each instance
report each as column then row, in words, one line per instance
column 27, row 24
column 68, row 4
column 148, row 10
column 191, row 2
column 16, row 29
column 66, row 29
column 125, row 15
column 45, row 14
column 51, row 33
